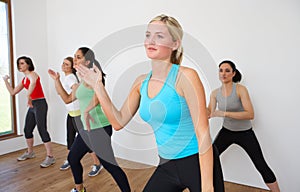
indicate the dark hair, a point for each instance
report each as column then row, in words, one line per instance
column 238, row 76
column 89, row 55
column 72, row 66
column 28, row 61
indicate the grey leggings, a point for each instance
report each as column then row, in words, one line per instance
column 37, row 116
column 99, row 140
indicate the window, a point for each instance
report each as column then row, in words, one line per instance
column 7, row 103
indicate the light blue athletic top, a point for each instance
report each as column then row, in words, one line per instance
column 170, row 118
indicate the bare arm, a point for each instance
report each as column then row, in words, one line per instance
column 12, row 91
column 33, row 78
column 247, row 114
column 67, row 98
column 94, row 102
column 193, row 91
column 212, row 103
column 117, row 118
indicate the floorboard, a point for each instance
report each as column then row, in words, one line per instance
column 28, row 176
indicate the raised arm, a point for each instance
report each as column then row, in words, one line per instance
column 117, row 118
column 193, row 92
column 12, row 91
column 67, row 98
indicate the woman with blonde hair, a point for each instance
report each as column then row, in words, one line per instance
column 171, row 99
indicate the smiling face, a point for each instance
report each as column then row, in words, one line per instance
column 159, row 43
column 226, row 73
column 79, row 59
column 66, row 66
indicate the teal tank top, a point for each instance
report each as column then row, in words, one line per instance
column 84, row 96
column 169, row 116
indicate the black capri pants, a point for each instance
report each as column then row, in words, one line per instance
column 248, row 141
column 179, row 174
column 37, row 116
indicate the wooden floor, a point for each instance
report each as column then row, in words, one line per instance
column 27, row 176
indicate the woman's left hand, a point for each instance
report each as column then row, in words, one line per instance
column 29, row 103
column 88, row 118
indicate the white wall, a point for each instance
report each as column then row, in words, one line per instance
column 30, row 39
column 262, row 37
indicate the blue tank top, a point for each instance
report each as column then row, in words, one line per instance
column 169, row 116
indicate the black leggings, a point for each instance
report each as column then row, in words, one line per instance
column 104, row 153
column 71, row 131
column 37, row 116
column 248, row 141
column 179, row 174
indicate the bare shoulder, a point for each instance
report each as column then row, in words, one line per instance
column 187, row 74
column 138, row 81
column 187, row 71
column 241, row 89
column 141, row 78
column 214, row 93
column 33, row 76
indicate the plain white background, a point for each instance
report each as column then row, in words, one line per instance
column 261, row 37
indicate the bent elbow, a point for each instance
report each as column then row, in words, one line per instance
column 117, row 127
column 251, row 117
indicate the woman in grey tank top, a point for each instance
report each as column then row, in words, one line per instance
column 232, row 102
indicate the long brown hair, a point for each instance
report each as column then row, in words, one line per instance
column 72, row 66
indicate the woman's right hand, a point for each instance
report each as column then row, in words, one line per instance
column 5, row 78
column 90, row 76
column 54, row 75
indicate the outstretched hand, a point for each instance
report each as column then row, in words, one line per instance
column 90, row 76
column 5, row 78
column 54, row 75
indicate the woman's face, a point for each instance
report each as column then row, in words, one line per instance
column 79, row 59
column 158, row 42
column 226, row 73
column 66, row 66
column 22, row 65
